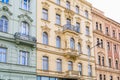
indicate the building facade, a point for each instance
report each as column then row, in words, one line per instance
column 17, row 40
column 64, row 40
column 107, row 54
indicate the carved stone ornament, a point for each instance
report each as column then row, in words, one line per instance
column 45, row 5
column 45, row 28
column 87, row 23
column 88, row 42
column 78, row 19
column 5, row 9
column 58, row 32
column 58, row 10
column 26, row 17
column 69, row 13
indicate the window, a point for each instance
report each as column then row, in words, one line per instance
column 86, row 13
column 107, row 30
column 45, row 14
column 58, row 19
column 101, row 43
column 104, row 77
column 96, row 25
column 25, row 28
column 3, row 24
column 5, row 1
column 111, row 78
column 101, row 27
column 79, row 48
column 45, row 63
column 58, row 2
column 113, row 33
column 89, row 70
column 77, row 27
column 119, row 36
column 58, row 42
column 118, row 78
column 98, row 42
column 70, row 66
column 68, row 21
column 100, row 76
column 108, row 46
column 116, row 64
column 25, row 4
column 23, row 57
column 3, row 53
column 103, row 61
column 59, row 65
column 99, row 60
column 88, row 50
column 72, row 43
column 87, row 30
column 45, row 38
column 77, row 9
column 80, row 68
column 68, row 5
column 115, row 49
column 110, row 65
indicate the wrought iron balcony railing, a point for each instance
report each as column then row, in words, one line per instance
column 71, row 27
column 21, row 36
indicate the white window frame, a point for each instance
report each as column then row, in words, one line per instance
column 27, row 5
column 3, row 54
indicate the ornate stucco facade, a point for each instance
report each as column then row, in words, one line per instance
column 17, row 40
column 107, row 32
column 66, row 50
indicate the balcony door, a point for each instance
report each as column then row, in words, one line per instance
column 68, row 23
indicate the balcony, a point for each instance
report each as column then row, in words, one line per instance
column 71, row 28
column 26, row 39
column 73, row 74
column 71, row 54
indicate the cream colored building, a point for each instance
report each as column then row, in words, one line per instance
column 64, row 40
column 107, row 55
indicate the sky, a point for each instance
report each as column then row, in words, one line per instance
column 111, row 8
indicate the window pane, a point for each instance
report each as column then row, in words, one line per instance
column 24, row 28
column 70, row 65
column 45, row 63
column 72, row 43
column 58, row 42
column 44, row 78
column 3, row 52
column 58, row 19
column 45, row 38
column 58, row 1
column 45, row 14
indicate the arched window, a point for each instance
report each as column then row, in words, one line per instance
column 99, row 60
column 79, row 48
column 45, row 38
column 58, row 42
column 116, row 64
column 72, row 43
column 3, row 24
column 88, row 50
column 24, row 28
column 100, row 77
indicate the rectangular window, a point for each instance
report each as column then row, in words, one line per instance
column 70, row 66
column 68, row 5
column 103, row 61
column 101, row 27
column 108, row 46
column 23, row 57
column 110, row 63
column 87, row 30
column 5, row 1
column 77, row 27
column 86, row 13
column 80, row 68
column 77, row 9
column 96, row 25
column 89, row 70
column 113, row 33
column 59, row 65
column 119, row 36
column 45, row 63
column 24, row 28
column 111, row 78
column 104, row 77
column 99, row 60
column 118, row 78
column 25, row 4
column 107, row 31
column 45, row 14
column 58, row 2
column 3, row 52
column 58, row 19
column 115, row 49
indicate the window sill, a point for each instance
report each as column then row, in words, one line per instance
column 45, row 20
column 59, row 25
column 25, row 10
column 5, row 3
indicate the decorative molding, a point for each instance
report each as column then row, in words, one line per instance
column 45, row 28
column 58, row 10
column 87, row 23
column 58, row 32
column 78, row 19
column 45, row 5
column 88, row 42
column 25, row 17
column 6, row 9
column 69, row 13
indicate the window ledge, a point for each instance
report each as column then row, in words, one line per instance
column 25, row 10
column 59, row 25
column 45, row 20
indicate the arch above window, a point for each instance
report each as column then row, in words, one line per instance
column 45, row 38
